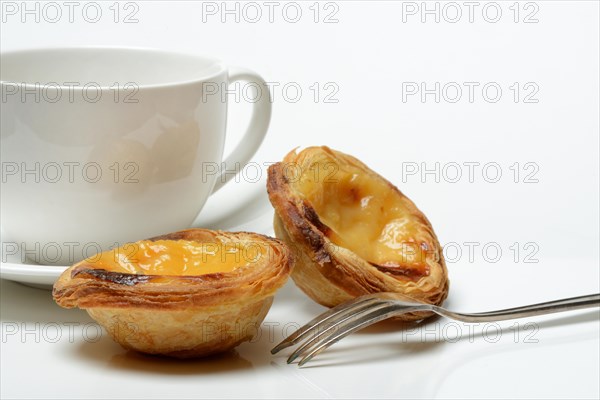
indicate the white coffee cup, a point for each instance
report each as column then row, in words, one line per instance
column 101, row 146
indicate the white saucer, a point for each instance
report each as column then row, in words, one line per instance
column 31, row 274
column 247, row 210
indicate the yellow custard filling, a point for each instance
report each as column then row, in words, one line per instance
column 178, row 257
column 364, row 214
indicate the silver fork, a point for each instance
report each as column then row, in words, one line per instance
column 339, row 322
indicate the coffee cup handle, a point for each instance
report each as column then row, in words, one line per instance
column 256, row 131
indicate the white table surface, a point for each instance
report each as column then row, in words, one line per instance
column 49, row 352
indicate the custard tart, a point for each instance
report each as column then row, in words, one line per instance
column 186, row 294
column 352, row 232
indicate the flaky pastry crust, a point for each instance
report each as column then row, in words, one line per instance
column 180, row 316
column 330, row 273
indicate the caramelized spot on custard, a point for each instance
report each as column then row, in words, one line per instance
column 115, row 277
column 364, row 214
column 178, row 257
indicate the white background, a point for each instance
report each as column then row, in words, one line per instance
column 369, row 56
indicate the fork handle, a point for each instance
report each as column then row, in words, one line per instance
column 573, row 303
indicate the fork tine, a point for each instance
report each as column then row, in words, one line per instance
column 348, row 328
column 317, row 322
column 335, row 324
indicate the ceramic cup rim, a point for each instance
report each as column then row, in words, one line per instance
column 218, row 66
